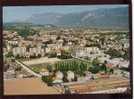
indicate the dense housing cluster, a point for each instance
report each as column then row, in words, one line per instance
column 70, row 56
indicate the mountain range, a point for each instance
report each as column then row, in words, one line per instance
column 105, row 17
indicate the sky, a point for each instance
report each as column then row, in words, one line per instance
column 13, row 13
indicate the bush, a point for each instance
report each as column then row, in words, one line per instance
column 47, row 79
column 50, row 68
column 113, row 53
column 103, row 68
column 65, row 78
column 10, row 54
column 94, row 69
column 65, row 55
column 18, row 68
column 52, row 55
column 111, row 71
column 75, row 78
column 96, row 62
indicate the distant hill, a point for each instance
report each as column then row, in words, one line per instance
column 45, row 18
column 106, row 17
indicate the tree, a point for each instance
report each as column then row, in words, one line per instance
column 65, row 77
column 103, row 68
column 6, row 67
column 18, row 68
column 65, row 55
column 94, row 69
column 95, row 62
column 75, row 78
column 126, row 55
column 111, row 71
column 10, row 54
column 47, row 79
column 52, row 54
column 76, row 66
column 50, row 68
column 114, row 53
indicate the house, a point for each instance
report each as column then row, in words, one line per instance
column 57, row 81
column 126, row 45
column 115, row 61
column 70, row 76
column 12, row 42
column 109, row 65
column 60, row 42
column 88, row 76
column 44, row 72
column 58, row 52
column 88, row 52
column 21, row 51
column 124, row 64
column 59, row 76
column 9, row 74
column 83, row 43
column 37, row 51
column 9, row 48
column 70, row 43
column 103, row 58
column 51, row 47
column 53, row 37
column 20, row 76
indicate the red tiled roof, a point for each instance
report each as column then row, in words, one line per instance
column 109, row 65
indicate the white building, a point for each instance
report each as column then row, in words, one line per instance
column 37, row 51
column 70, row 75
column 59, row 75
column 9, row 74
column 21, row 51
column 119, row 62
column 124, row 64
column 44, row 72
column 88, row 52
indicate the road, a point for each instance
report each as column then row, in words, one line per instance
column 80, row 58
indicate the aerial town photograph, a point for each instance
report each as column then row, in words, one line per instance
column 66, row 49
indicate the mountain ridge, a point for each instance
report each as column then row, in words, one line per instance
column 106, row 17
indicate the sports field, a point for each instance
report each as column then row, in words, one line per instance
column 27, row 86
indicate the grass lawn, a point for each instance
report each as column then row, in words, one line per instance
column 37, row 69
